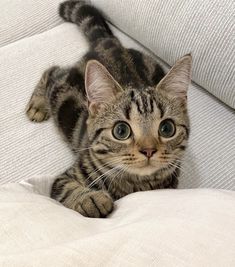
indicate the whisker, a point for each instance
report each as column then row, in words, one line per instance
column 121, row 171
column 90, row 185
column 101, row 176
column 112, row 178
column 103, row 166
column 87, row 188
column 176, row 166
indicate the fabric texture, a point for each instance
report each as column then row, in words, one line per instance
column 156, row 228
column 172, row 29
column 28, row 149
column 21, row 19
column 159, row 228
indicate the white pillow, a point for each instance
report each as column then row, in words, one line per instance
column 155, row 228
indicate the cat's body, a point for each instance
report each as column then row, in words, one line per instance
column 108, row 109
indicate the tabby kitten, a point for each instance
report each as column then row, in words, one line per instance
column 126, row 123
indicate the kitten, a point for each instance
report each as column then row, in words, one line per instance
column 126, row 122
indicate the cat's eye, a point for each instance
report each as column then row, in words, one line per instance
column 121, row 131
column 167, row 128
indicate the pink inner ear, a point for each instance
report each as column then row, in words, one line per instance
column 100, row 85
column 177, row 80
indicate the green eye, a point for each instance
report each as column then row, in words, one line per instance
column 167, row 128
column 121, row 131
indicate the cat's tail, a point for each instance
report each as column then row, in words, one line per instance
column 87, row 17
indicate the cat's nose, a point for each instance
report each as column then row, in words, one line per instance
column 148, row 152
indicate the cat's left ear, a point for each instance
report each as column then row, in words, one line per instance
column 176, row 82
column 101, row 88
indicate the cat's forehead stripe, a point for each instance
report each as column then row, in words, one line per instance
column 127, row 111
column 144, row 103
column 160, row 107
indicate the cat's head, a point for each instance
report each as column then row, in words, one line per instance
column 138, row 131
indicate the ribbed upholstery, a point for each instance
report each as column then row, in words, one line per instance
column 28, row 149
column 21, row 19
column 155, row 228
column 173, row 28
column 210, row 157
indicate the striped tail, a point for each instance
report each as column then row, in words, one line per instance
column 87, row 17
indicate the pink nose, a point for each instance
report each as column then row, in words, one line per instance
column 148, row 152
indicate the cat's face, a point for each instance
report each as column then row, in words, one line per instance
column 140, row 132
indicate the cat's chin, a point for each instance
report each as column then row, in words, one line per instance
column 143, row 171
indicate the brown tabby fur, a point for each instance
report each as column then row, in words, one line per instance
column 112, row 84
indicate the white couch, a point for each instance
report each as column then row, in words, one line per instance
column 190, row 227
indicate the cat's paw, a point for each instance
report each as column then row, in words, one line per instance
column 37, row 109
column 96, row 204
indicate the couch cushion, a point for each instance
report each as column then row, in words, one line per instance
column 158, row 228
column 28, row 149
column 173, row 28
column 20, row 19
column 22, row 64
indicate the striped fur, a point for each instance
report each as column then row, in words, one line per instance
column 129, row 87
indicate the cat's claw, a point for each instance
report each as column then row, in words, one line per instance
column 37, row 109
column 96, row 204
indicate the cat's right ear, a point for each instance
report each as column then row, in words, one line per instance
column 101, row 87
column 176, row 82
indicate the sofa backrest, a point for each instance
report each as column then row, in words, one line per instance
column 171, row 29
column 20, row 19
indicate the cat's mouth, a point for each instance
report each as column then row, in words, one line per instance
column 146, row 167
column 150, row 163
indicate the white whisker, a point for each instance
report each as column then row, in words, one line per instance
column 121, row 171
column 102, row 167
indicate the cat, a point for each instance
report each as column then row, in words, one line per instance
column 122, row 116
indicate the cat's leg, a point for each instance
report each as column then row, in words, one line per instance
column 37, row 109
column 60, row 94
column 71, row 190
column 67, row 104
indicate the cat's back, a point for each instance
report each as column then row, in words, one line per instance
column 127, row 66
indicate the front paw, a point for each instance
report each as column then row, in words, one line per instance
column 95, row 204
column 37, row 109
